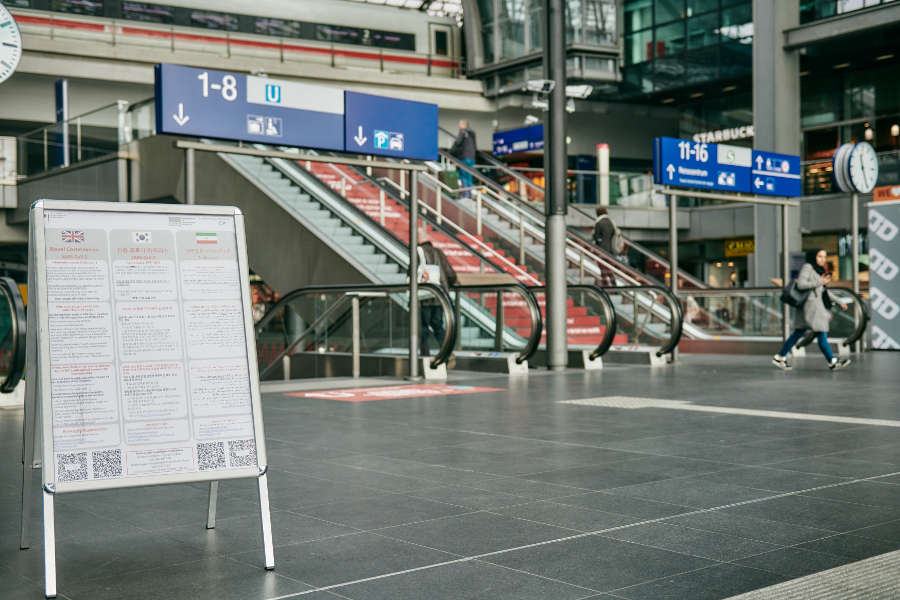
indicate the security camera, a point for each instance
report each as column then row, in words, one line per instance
column 259, row 73
column 570, row 106
column 538, row 102
column 540, row 86
column 579, row 91
column 531, row 120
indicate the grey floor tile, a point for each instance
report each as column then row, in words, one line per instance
column 599, row 563
column 773, row 532
column 793, row 562
column 473, row 534
column 578, row 518
column 693, row 492
column 469, row 497
column 535, row 490
column 595, row 478
column 851, row 546
column 713, row 583
column 464, row 581
column 647, row 509
column 211, row 578
column 776, row 480
column 832, row 465
column 694, row 542
column 870, row 493
column 887, row 532
column 817, row 513
column 382, row 511
column 349, row 558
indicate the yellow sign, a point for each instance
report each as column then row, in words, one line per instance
column 739, row 247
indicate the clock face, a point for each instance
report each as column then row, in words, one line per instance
column 10, row 44
column 863, row 167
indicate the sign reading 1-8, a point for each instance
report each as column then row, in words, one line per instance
column 693, row 151
column 228, row 86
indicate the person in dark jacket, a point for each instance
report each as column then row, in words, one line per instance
column 815, row 314
column 464, row 148
column 433, row 264
column 604, row 230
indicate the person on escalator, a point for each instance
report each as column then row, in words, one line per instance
column 608, row 238
column 815, row 314
column 433, row 268
column 464, row 148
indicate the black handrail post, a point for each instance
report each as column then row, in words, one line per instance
column 498, row 331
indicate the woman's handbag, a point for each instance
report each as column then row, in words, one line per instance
column 793, row 295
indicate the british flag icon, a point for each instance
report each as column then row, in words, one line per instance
column 72, row 236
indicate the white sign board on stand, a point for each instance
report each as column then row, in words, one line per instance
column 142, row 360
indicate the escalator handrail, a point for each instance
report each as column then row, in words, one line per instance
column 17, row 334
column 537, row 324
column 573, row 232
column 675, row 311
column 854, row 337
column 609, row 314
column 450, row 332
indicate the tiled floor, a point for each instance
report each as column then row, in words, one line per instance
column 509, row 494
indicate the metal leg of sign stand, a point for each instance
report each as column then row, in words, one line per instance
column 49, row 547
column 785, row 271
column 266, row 521
column 211, row 509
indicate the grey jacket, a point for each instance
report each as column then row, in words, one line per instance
column 464, row 145
column 813, row 315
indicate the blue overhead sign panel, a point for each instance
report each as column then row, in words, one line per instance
column 390, row 127
column 204, row 102
column 523, row 139
column 719, row 167
column 776, row 174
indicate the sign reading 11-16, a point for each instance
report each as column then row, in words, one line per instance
column 685, row 163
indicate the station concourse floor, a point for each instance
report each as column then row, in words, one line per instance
column 512, row 494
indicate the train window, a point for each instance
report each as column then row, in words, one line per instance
column 149, row 13
column 214, row 20
column 339, row 34
column 394, row 40
column 18, row 3
column 277, row 27
column 441, row 43
column 79, row 7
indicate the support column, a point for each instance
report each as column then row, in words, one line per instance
column 190, row 177
column 555, row 202
column 776, row 120
column 414, row 321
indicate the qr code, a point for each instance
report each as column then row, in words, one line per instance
column 72, row 467
column 211, row 455
column 242, row 453
column 107, row 464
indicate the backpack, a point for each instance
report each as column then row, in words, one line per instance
column 427, row 273
column 617, row 243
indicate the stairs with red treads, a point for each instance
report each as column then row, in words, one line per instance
column 583, row 329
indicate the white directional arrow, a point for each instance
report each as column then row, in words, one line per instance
column 359, row 138
column 181, row 118
column 759, row 162
column 671, row 170
column 758, row 182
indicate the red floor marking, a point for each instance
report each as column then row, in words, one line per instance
column 393, row 391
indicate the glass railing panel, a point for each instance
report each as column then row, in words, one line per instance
column 643, row 316
column 479, row 324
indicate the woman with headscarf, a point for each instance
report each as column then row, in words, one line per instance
column 815, row 313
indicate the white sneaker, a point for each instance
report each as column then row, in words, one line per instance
column 837, row 363
column 781, row 362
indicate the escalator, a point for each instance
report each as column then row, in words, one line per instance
column 12, row 343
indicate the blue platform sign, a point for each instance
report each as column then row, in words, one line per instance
column 390, row 127
column 720, row 167
column 523, row 139
column 776, row 174
column 204, row 102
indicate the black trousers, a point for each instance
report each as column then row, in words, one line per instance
column 432, row 321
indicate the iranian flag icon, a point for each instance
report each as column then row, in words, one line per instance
column 206, row 238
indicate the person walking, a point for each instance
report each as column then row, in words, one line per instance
column 464, row 148
column 433, row 268
column 815, row 314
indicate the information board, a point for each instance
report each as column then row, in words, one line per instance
column 720, row 167
column 147, row 357
column 523, row 139
column 390, row 127
column 234, row 106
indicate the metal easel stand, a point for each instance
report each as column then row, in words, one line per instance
column 265, row 515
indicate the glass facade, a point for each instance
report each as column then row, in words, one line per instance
column 813, row 10
column 671, row 44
